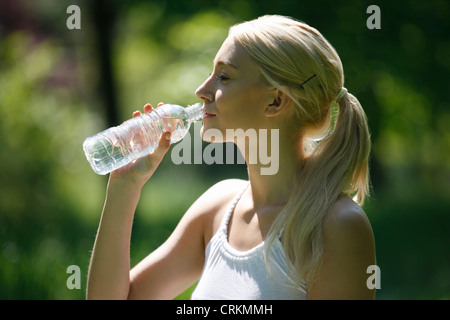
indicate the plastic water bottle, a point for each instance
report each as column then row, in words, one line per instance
column 117, row 146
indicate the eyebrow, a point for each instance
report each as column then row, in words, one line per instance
column 226, row 63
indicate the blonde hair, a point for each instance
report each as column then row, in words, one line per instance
column 298, row 60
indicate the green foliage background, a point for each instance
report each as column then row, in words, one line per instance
column 54, row 93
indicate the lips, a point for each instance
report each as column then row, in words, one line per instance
column 207, row 114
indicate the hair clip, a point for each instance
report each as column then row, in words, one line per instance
column 301, row 85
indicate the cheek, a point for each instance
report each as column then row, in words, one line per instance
column 242, row 98
column 229, row 103
column 240, row 106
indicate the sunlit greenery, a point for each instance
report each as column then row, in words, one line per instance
column 51, row 100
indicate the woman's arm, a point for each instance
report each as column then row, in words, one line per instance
column 164, row 273
column 110, row 262
column 349, row 248
column 178, row 263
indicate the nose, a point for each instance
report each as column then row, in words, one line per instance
column 204, row 92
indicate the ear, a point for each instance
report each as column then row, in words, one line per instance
column 278, row 101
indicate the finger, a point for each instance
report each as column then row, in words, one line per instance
column 136, row 114
column 160, row 104
column 163, row 145
column 148, row 108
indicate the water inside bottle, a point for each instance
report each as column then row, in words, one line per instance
column 105, row 152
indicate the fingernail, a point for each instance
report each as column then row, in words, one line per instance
column 168, row 136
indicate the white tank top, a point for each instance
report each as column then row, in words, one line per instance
column 229, row 274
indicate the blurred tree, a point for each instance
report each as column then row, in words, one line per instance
column 103, row 18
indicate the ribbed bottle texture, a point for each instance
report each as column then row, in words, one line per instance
column 138, row 137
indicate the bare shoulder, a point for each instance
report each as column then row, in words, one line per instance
column 349, row 249
column 346, row 229
column 346, row 215
column 212, row 204
column 218, row 195
column 203, row 217
column 347, row 226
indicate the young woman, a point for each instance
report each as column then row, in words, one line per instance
column 294, row 234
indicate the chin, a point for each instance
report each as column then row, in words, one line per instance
column 209, row 134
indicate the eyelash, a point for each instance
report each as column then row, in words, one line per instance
column 222, row 77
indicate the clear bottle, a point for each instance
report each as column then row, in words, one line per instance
column 117, row 146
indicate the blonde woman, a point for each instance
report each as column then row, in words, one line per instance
column 299, row 233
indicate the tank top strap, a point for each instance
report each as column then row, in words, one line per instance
column 226, row 218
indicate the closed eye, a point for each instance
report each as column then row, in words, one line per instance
column 222, row 77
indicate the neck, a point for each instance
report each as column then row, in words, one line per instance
column 271, row 174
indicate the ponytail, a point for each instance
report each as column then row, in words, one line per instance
column 342, row 157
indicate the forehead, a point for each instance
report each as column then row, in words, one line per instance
column 235, row 55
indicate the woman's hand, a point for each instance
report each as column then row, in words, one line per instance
column 140, row 170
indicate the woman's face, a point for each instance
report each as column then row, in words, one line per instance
column 235, row 95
